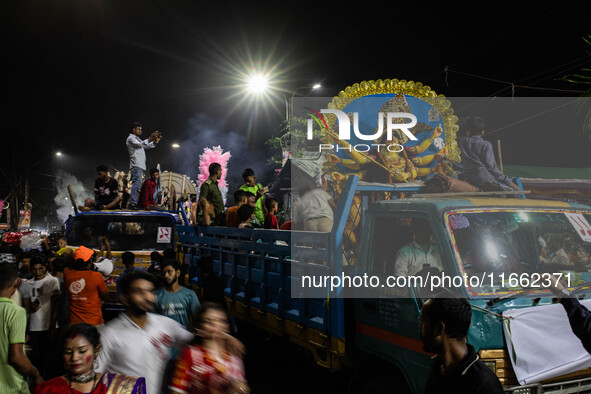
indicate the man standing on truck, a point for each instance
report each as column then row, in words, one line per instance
column 478, row 160
column 457, row 369
column 210, row 193
column 137, row 158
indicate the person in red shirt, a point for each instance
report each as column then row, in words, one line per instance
column 272, row 208
column 85, row 288
column 146, row 199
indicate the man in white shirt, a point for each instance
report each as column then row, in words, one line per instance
column 137, row 158
column 418, row 254
column 137, row 342
column 45, row 291
column 315, row 210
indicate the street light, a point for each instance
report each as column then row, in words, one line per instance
column 176, row 146
column 258, row 84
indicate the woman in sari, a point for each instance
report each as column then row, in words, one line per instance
column 207, row 367
column 80, row 350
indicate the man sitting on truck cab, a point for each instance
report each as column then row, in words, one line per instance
column 457, row 369
column 478, row 160
column 420, row 253
column 146, row 199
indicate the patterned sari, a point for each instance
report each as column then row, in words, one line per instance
column 110, row 383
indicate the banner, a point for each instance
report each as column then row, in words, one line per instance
column 24, row 221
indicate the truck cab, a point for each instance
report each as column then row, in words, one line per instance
column 496, row 252
column 140, row 232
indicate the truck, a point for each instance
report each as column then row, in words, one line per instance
column 375, row 335
column 140, row 232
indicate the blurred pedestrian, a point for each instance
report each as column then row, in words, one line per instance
column 208, row 366
column 128, row 260
column 138, row 342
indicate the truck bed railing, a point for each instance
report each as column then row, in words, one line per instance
column 260, row 267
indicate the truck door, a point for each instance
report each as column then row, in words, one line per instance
column 400, row 250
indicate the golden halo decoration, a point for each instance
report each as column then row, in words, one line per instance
column 402, row 87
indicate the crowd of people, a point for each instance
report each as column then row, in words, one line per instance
column 253, row 207
column 167, row 339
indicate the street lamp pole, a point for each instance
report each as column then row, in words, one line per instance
column 288, row 111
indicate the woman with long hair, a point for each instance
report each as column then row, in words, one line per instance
column 207, row 367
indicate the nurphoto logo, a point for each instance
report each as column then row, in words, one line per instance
column 394, row 121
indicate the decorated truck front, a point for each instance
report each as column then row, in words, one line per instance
column 140, row 232
column 499, row 254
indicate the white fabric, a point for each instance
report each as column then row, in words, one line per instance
column 104, row 266
column 129, row 350
column 135, row 148
column 42, row 290
column 543, row 342
column 411, row 258
column 314, row 204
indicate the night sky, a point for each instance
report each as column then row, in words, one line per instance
column 77, row 73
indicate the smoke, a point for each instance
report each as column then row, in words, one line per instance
column 62, row 199
column 203, row 131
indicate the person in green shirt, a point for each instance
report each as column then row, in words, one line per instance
column 258, row 190
column 14, row 364
column 210, row 192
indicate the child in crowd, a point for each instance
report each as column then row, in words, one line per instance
column 240, row 198
column 257, row 190
column 272, row 207
column 245, row 215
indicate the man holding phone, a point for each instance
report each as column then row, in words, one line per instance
column 258, row 190
column 137, row 158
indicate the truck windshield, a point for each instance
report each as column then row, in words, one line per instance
column 134, row 232
column 511, row 250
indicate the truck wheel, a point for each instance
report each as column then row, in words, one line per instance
column 376, row 376
column 386, row 384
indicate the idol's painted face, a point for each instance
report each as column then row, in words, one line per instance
column 79, row 355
